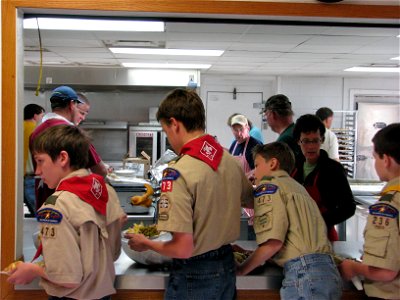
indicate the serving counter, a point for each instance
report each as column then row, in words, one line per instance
column 135, row 281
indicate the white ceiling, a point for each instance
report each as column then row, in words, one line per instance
column 250, row 50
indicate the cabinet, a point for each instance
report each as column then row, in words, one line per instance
column 356, row 224
column 347, row 137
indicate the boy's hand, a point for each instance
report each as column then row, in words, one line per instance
column 347, row 269
column 24, row 273
column 137, row 242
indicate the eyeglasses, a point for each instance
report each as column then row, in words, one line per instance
column 313, row 141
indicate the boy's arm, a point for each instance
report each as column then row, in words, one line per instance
column 350, row 268
column 25, row 273
column 181, row 245
column 264, row 252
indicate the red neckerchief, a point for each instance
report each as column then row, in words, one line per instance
column 205, row 148
column 91, row 189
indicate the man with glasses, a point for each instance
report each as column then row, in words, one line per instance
column 324, row 178
column 64, row 106
column 279, row 116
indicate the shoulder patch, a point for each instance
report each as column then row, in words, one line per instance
column 170, row 174
column 387, row 197
column 383, row 210
column 51, row 200
column 265, row 188
column 49, row 215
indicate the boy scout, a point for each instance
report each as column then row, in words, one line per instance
column 381, row 260
column 200, row 204
column 79, row 224
column 290, row 229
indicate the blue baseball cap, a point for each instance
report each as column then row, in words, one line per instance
column 64, row 93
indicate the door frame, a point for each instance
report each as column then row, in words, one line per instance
column 12, row 13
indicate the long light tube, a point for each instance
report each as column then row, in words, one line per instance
column 374, row 69
column 93, row 25
column 166, row 66
column 180, row 52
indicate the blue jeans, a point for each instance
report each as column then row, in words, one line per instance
column 312, row 276
column 29, row 193
column 208, row 276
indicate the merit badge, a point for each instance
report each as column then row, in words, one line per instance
column 383, row 210
column 164, row 204
column 49, row 215
column 265, row 188
column 96, row 189
column 208, row 150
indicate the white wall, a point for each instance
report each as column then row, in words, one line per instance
column 307, row 94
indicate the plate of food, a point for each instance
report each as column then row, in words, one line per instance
column 148, row 257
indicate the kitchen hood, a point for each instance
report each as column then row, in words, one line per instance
column 122, row 77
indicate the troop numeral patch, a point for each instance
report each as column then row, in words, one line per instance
column 48, row 232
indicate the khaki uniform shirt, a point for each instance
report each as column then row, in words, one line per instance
column 382, row 241
column 204, row 202
column 284, row 211
column 80, row 245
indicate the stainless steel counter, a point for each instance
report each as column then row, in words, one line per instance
column 132, row 276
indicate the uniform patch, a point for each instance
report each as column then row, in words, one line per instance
column 387, row 197
column 51, row 200
column 48, row 231
column 49, row 215
column 208, row 150
column 265, row 188
column 164, row 205
column 170, row 174
column 383, row 210
column 96, row 189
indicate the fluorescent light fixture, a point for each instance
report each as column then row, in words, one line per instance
column 165, row 66
column 155, row 51
column 396, row 58
column 93, row 25
column 374, row 69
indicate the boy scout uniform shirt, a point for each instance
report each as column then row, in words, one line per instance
column 382, row 241
column 206, row 203
column 79, row 244
column 284, row 211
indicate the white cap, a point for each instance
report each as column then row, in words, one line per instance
column 239, row 119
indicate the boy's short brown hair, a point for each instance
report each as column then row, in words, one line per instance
column 279, row 150
column 185, row 106
column 386, row 141
column 67, row 138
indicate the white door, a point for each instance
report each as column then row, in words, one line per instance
column 371, row 117
column 220, row 106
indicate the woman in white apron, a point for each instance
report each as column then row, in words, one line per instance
column 241, row 133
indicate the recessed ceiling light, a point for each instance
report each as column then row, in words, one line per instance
column 374, row 69
column 165, row 66
column 152, row 51
column 93, row 25
column 396, row 58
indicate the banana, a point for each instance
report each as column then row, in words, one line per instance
column 12, row 266
column 145, row 199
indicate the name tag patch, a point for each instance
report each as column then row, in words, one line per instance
column 383, row 210
column 265, row 188
column 49, row 216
